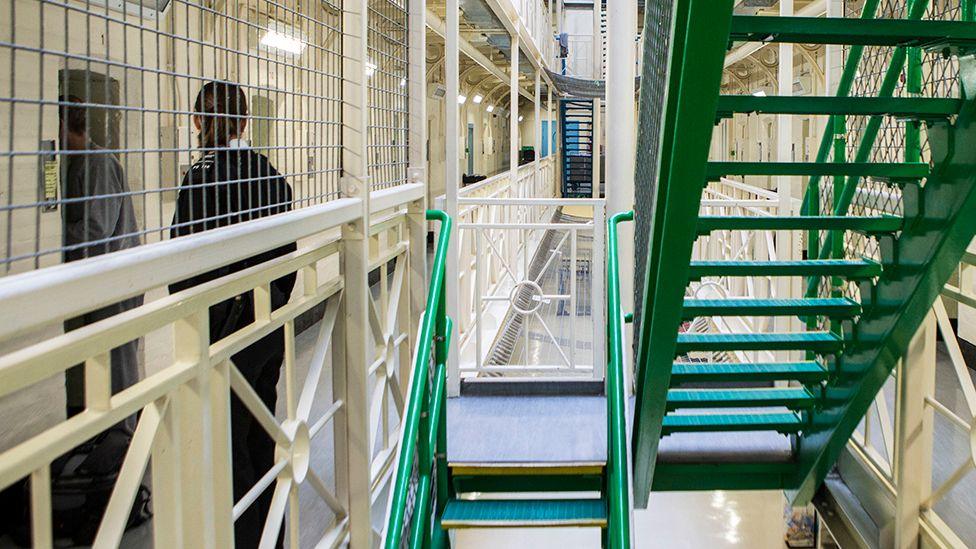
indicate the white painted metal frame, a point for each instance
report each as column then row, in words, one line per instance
column 500, row 237
column 184, row 425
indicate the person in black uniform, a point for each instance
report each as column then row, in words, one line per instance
column 232, row 183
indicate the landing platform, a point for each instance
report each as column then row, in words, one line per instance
column 527, row 429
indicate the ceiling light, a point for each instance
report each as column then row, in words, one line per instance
column 370, row 68
column 462, row 99
column 490, row 108
column 520, row 118
column 477, row 98
column 403, row 82
column 286, row 39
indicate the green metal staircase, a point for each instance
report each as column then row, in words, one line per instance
column 859, row 312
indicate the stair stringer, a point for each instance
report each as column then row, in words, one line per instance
column 924, row 256
column 699, row 41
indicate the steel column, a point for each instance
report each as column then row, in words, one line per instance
column 913, row 434
column 355, row 271
column 452, row 180
column 621, row 141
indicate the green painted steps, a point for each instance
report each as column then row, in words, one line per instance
column 546, row 476
column 850, row 269
column 797, row 398
column 807, row 372
column 917, row 108
column 532, row 513
column 817, row 342
column 832, row 307
column 781, row 422
column 868, row 225
column 853, row 32
column 889, row 171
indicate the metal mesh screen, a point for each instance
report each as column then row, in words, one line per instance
column 387, row 72
column 126, row 84
column 874, row 197
column 653, row 84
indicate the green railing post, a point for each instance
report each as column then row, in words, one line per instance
column 618, row 529
column 417, row 424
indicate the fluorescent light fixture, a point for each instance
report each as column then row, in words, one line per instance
column 520, row 118
column 490, row 108
column 370, row 68
column 283, row 38
column 462, row 99
column 478, row 98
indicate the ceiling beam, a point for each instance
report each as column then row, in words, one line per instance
column 437, row 25
column 814, row 9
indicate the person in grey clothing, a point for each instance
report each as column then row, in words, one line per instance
column 98, row 219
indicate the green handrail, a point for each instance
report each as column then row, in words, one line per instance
column 618, row 531
column 423, row 431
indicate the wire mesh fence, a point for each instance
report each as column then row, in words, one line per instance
column 387, row 72
column 875, row 197
column 106, row 137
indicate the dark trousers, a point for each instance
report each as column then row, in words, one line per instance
column 252, row 449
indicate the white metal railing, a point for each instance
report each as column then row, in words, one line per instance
column 184, row 404
column 500, row 228
column 923, row 451
column 536, row 179
column 534, row 14
column 532, row 301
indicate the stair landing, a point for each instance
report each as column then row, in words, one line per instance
column 527, row 430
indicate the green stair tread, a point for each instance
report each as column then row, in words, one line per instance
column 804, row 372
column 902, row 107
column 836, row 307
column 506, row 513
column 848, row 268
column 871, row 225
column 793, row 398
column 823, row 342
column 784, row 422
column 905, row 170
column 840, row 31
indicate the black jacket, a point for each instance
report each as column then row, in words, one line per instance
column 223, row 188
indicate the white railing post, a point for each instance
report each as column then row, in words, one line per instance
column 513, row 128
column 354, row 323
column 452, row 180
column 598, row 293
column 914, row 433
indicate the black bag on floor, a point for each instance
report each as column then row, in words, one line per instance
column 81, row 484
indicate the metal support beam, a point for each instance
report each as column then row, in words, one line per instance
column 537, row 128
column 452, row 181
column 786, row 287
column 814, row 9
column 355, row 271
column 513, row 114
column 914, row 434
column 597, row 144
column 467, row 48
column 621, row 141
